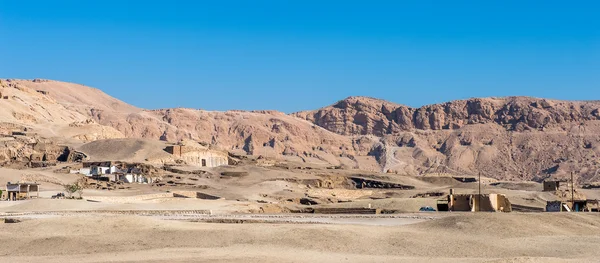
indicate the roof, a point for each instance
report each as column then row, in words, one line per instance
column 555, row 180
column 21, row 183
column 100, row 164
column 576, row 200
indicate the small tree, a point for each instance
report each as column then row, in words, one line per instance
column 73, row 188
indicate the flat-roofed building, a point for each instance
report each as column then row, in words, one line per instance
column 19, row 191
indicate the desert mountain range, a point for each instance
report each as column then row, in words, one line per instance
column 512, row 138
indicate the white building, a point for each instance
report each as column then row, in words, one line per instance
column 98, row 168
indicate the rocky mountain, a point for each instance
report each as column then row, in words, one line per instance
column 515, row 138
column 506, row 138
column 361, row 115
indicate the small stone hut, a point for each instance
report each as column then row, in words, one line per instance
column 18, row 191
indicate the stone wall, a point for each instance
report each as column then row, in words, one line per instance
column 205, row 158
column 500, row 203
column 460, row 202
column 197, row 156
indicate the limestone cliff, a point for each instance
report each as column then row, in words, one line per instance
column 514, row 138
column 361, row 115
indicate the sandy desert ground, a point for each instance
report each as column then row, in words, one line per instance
column 252, row 223
column 455, row 237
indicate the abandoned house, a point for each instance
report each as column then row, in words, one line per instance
column 475, row 203
column 198, row 156
column 554, row 185
column 19, row 191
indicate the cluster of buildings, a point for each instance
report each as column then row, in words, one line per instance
column 569, row 199
column 108, row 171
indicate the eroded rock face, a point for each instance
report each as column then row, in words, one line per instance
column 513, row 138
column 367, row 116
column 31, row 151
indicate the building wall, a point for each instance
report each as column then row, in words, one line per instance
column 460, row 202
column 135, row 178
column 500, row 203
column 128, row 178
column 489, row 203
column 485, row 205
column 174, row 150
column 205, row 158
column 198, row 156
column 554, row 206
column 550, row 186
column 85, row 171
column 99, row 170
column 20, row 191
column 504, row 204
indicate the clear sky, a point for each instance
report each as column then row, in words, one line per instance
column 297, row 55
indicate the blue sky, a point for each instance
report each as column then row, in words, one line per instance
column 298, row 55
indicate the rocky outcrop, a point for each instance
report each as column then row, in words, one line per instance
column 367, row 116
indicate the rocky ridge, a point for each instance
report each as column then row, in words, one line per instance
column 514, row 138
column 362, row 115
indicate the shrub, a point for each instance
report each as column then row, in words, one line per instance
column 73, row 188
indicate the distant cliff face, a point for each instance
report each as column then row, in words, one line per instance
column 515, row 138
column 364, row 116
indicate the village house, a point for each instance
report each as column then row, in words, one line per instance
column 554, row 185
column 475, row 203
column 97, row 169
column 19, row 191
column 131, row 175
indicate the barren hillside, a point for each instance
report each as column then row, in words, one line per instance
column 515, row 138
column 74, row 107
